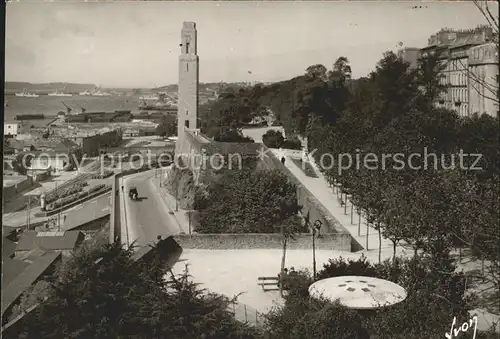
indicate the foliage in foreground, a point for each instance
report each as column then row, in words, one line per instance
column 436, row 294
column 103, row 294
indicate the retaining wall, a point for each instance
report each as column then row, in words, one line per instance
column 74, row 203
column 305, row 198
column 332, row 241
column 113, row 213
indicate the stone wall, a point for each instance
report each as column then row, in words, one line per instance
column 333, row 241
column 305, row 198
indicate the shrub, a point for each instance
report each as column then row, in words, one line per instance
column 96, row 188
column 273, row 138
column 340, row 267
column 292, row 143
column 246, row 202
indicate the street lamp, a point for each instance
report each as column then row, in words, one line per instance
column 315, row 228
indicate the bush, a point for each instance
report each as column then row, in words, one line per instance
column 96, row 188
column 273, row 138
column 246, row 202
column 232, row 135
column 292, row 143
column 435, row 294
column 64, row 192
column 340, row 267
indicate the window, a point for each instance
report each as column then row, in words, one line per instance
column 186, row 123
column 187, row 112
column 187, row 67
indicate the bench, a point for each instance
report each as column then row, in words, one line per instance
column 269, row 281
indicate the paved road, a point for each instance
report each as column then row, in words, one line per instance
column 147, row 217
column 83, row 212
column 86, row 212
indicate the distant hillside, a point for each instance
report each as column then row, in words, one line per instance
column 203, row 86
column 15, row 87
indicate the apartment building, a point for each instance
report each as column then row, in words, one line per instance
column 470, row 73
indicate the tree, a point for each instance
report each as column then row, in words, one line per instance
column 316, row 71
column 167, row 126
column 103, row 293
column 243, row 201
column 273, row 138
column 232, row 135
column 341, row 70
column 22, row 162
column 288, row 228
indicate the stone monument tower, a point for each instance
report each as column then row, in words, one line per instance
column 187, row 103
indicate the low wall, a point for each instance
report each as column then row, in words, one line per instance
column 112, row 217
column 332, row 241
column 305, row 198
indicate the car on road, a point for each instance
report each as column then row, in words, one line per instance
column 132, row 193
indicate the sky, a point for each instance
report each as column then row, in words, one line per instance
column 136, row 44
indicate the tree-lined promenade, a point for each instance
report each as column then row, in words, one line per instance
column 433, row 209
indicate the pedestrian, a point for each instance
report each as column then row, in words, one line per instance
column 283, row 160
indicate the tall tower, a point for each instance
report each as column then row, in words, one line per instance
column 187, row 103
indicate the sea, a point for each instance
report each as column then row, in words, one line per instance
column 50, row 106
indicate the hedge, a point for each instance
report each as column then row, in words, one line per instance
column 75, row 188
column 72, row 198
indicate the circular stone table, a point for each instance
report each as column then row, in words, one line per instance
column 359, row 292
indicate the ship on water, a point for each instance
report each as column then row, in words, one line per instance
column 149, row 97
column 85, row 93
column 99, row 93
column 26, row 94
column 59, row 94
column 96, row 92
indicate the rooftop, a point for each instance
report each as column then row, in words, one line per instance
column 49, row 240
column 10, row 180
column 8, row 248
column 11, row 268
column 26, row 278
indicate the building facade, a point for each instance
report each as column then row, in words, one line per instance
column 410, row 55
column 13, row 129
column 470, row 74
column 187, row 109
column 483, row 79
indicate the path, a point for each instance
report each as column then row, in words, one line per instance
column 320, row 189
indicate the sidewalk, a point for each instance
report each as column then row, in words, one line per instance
column 181, row 215
column 320, row 189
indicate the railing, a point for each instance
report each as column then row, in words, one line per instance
column 246, row 314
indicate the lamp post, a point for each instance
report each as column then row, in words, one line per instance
column 316, row 227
